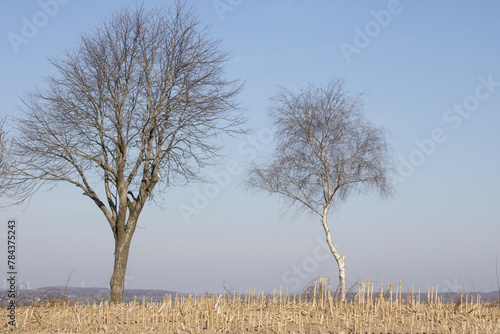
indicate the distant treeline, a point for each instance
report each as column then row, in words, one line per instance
column 86, row 295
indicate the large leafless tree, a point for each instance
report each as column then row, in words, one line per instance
column 138, row 105
column 326, row 150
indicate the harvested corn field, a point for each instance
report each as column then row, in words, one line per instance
column 318, row 311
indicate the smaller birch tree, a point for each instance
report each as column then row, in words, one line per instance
column 326, row 150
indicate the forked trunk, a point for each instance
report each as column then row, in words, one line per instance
column 340, row 259
column 117, row 282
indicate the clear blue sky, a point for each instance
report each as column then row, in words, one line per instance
column 431, row 71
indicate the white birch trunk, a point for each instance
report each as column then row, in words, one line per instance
column 340, row 259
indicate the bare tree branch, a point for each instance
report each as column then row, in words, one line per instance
column 5, row 160
column 13, row 190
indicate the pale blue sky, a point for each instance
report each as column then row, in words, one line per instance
column 416, row 66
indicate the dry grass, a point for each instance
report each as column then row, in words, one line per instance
column 317, row 311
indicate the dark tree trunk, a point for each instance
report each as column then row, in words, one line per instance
column 117, row 282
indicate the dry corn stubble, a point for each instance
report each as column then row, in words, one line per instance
column 317, row 311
